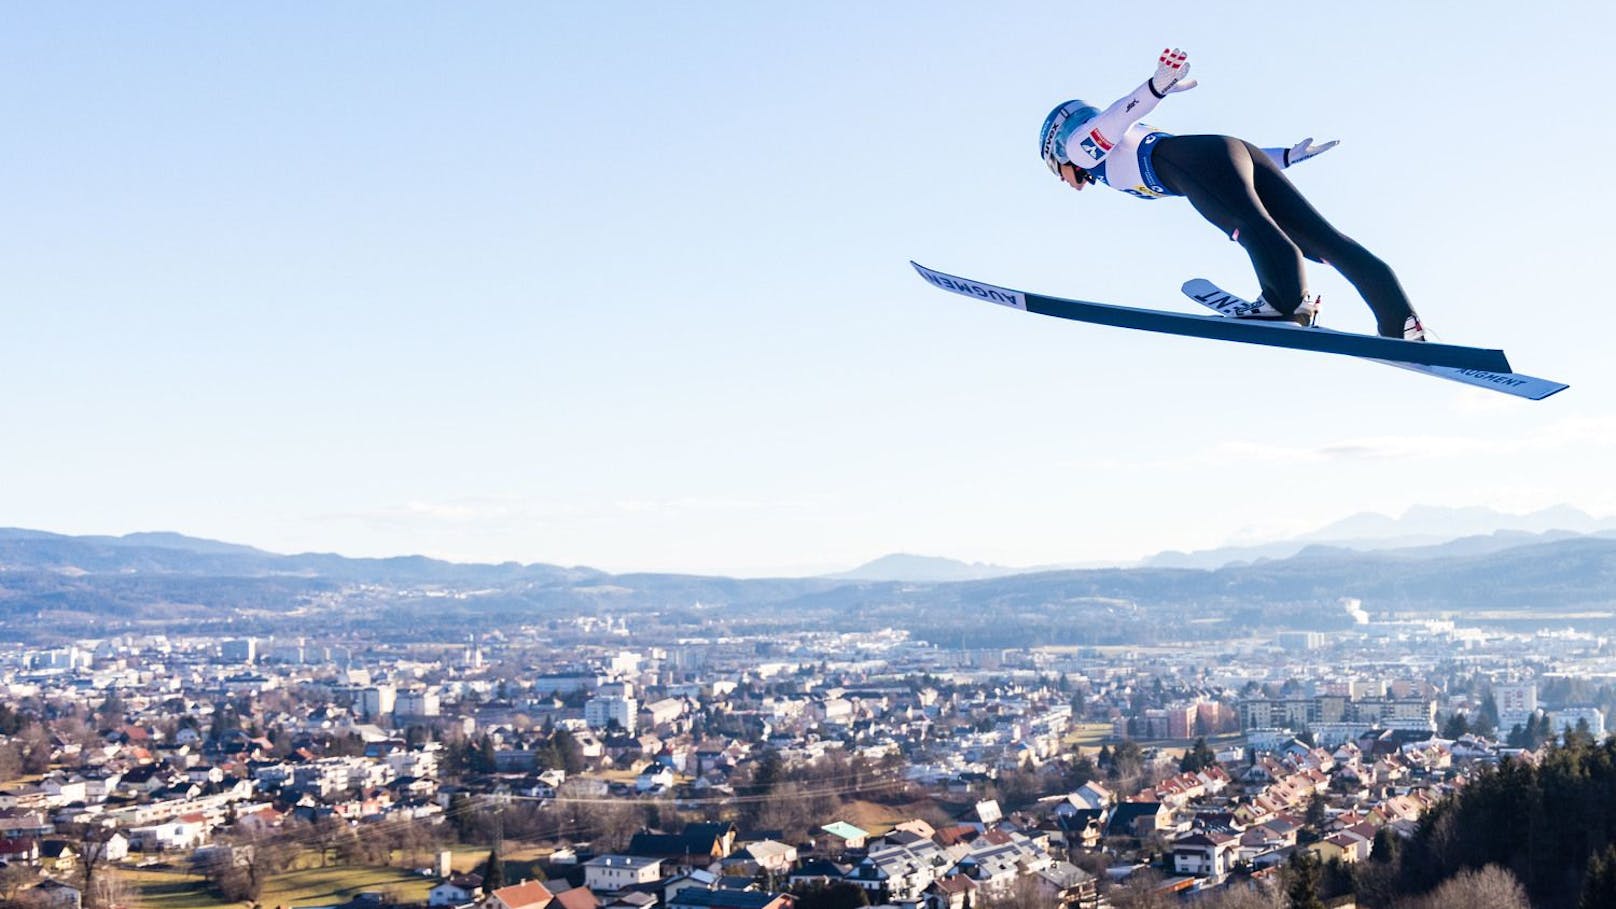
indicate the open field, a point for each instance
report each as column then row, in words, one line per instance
column 154, row 888
column 309, row 885
column 873, row 817
column 1088, row 735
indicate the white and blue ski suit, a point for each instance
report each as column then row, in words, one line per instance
column 1238, row 187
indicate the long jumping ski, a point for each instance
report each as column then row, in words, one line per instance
column 1511, row 383
column 1421, row 356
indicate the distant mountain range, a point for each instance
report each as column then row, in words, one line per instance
column 1483, row 529
column 905, row 567
column 56, row 587
column 1421, row 527
column 176, row 554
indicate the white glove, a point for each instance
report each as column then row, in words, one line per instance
column 1171, row 68
column 1305, row 149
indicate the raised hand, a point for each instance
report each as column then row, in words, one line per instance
column 1171, row 68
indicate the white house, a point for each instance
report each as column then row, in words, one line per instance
column 1209, row 854
column 60, row 790
column 184, row 832
column 655, row 777
column 772, row 856
column 56, row 895
column 457, row 890
column 115, row 848
column 611, row 873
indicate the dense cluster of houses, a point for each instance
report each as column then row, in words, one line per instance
column 913, row 866
column 1221, row 819
column 163, row 779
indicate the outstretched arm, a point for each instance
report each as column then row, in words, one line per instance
column 1299, row 152
column 1089, row 142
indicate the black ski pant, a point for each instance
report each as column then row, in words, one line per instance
column 1237, row 187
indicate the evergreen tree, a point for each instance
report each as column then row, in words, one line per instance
column 482, row 757
column 1302, row 889
column 456, row 757
column 1580, row 736
column 493, row 872
column 1545, row 821
column 112, row 709
column 1385, row 848
column 1198, row 757
column 1079, row 770
column 1316, row 816
column 570, row 753
column 1545, row 731
column 1456, row 726
column 1599, row 883
column 768, row 772
column 461, row 816
column 11, row 722
column 1486, row 719
column 1127, row 759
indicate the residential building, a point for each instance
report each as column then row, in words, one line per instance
column 610, row 873
column 456, row 891
column 604, row 710
column 1517, row 705
column 1566, row 718
column 417, row 703
column 1209, row 854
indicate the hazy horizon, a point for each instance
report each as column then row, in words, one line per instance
column 812, row 570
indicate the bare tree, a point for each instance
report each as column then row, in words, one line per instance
column 108, row 889
column 1245, row 894
column 92, row 876
column 14, row 878
column 1139, row 891
column 788, row 808
column 259, row 856
column 1492, row 887
column 608, row 823
column 10, row 761
column 1027, row 892
column 34, row 746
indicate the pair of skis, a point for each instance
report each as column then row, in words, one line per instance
column 1476, row 366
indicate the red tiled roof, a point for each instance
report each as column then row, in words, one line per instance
column 960, row 833
column 577, row 898
column 526, row 895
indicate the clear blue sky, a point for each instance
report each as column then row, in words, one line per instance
column 627, row 285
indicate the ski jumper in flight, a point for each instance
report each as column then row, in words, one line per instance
column 1240, row 188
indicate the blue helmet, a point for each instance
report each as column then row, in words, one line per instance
column 1059, row 126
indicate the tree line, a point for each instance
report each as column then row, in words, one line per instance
column 1551, row 822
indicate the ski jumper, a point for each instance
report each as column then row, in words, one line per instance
column 1238, row 187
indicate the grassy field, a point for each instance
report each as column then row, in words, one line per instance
column 154, row 888
column 875, row 818
column 310, row 885
column 1088, row 735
